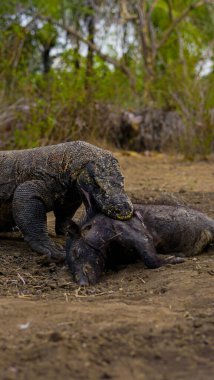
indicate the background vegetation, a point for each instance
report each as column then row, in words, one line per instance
column 68, row 68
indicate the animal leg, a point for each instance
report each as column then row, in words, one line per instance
column 143, row 243
column 64, row 210
column 31, row 202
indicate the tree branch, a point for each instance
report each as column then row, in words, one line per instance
column 152, row 6
column 70, row 31
column 142, row 32
column 125, row 15
column 177, row 21
column 151, row 27
column 181, row 104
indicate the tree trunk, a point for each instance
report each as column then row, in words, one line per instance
column 90, row 56
column 46, row 60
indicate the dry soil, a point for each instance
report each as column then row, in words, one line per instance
column 134, row 324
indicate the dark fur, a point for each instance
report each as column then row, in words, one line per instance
column 166, row 229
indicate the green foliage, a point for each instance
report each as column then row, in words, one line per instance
column 60, row 103
column 47, row 35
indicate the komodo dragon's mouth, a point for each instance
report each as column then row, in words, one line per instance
column 116, row 207
column 104, row 193
column 124, row 212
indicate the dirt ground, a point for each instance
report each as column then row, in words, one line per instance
column 134, row 324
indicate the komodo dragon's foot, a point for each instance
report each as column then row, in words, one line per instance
column 50, row 251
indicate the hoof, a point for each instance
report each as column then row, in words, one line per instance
column 174, row 260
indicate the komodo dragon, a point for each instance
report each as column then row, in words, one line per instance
column 100, row 242
column 36, row 181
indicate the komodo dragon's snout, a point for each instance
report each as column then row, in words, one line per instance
column 103, row 187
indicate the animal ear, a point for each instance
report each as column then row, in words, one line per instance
column 73, row 229
column 85, row 230
column 86, row 200
column 90, row 206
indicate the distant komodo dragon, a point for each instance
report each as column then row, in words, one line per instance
column 99, row 242
column 58, row 178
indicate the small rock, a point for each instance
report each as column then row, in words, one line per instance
column 55, row 336
column 62, row 283
column 182, row 190
column 52, row 285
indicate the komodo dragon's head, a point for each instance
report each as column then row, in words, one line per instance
column 103, row 187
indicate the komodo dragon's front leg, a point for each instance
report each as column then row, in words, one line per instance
column 31, row 202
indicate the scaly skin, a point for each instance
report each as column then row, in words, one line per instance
column 100, row 241
column 58, row 178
